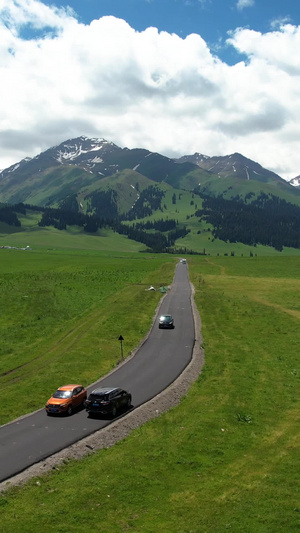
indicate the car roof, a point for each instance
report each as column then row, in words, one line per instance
column 104, row 390
column 69, row 387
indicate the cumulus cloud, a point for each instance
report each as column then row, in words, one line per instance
column 16, row 13
column 145, row 89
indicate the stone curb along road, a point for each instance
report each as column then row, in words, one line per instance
column 123, row 426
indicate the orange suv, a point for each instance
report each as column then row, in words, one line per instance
column 66, row 399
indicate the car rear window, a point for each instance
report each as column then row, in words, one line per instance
column 99, row 396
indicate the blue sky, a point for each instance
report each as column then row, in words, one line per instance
column 172, row 76
column 212, row 19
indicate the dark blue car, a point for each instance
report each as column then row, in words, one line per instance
column 166, row 322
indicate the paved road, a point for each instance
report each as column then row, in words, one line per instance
column 159, row 361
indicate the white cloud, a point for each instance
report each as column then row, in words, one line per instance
column 16, row 13
column 145, row 89
column 241, row 4
column 278, row 23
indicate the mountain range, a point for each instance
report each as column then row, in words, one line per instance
column 167, row 204
column 77, row 170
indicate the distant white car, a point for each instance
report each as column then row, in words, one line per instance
column 183, row 261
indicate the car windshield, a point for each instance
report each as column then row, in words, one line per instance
column 62, row 394
column 166, row 318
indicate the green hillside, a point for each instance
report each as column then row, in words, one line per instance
column 231, row 187
column 45, row 188
column 177, row 205
column 127, row 184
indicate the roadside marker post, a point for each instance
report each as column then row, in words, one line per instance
column 121, row 341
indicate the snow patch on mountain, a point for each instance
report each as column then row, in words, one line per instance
column 97, row 159
column 295, row 182
column 74, row 150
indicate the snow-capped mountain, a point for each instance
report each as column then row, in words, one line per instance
column 78, row 164
column 82, row 152
column 76, row 167
column 295, row 182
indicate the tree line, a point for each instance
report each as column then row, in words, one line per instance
column 62, row 218
column 149, row 200
column 8, row 214
column 267, row 220
column 160, row 225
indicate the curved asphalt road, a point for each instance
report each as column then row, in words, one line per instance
column 158, row 362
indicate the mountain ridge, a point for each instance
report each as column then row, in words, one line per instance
column 81, row 167
column 77, row 149
column 235, row 163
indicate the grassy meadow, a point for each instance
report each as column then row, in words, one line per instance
column 62, row 314
column 199, row 239
column 226, row 458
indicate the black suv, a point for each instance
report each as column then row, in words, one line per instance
column 107, row 401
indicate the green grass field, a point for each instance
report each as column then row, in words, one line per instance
column 62, row 314
column 225, row 459
column 30, row 234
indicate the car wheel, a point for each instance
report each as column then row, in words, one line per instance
column 69, row 410
column 128, row 403
column 114, row 411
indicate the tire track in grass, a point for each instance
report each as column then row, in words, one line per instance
column 70, row 338
column 292, row 312
column 221, row 267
